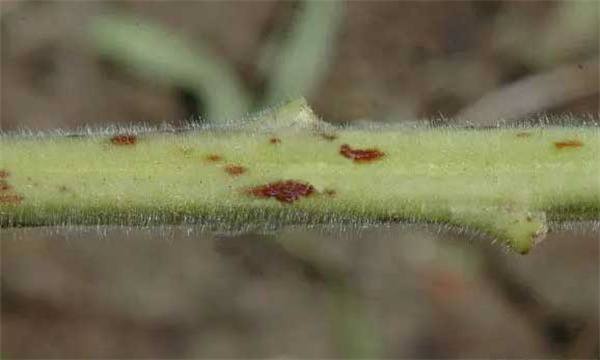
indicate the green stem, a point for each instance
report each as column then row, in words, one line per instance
column 503, row 182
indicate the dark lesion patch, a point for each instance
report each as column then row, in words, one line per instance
column 361, row 155
column 4, row 185
column 213, row 158
column 523, row 134
column 568, row 144
column 274, row 140
column 285, row 191
column 235, row 170
column 13, row 199
column 124, row 139
column 8, row 195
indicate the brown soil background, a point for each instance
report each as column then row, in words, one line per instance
column 170, row 293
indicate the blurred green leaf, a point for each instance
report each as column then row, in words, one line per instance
column 155, row 53
column 355, row 333
column 301, row 61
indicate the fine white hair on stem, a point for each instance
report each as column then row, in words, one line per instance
column 505, row 182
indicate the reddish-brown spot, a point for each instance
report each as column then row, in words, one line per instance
column 523, row 134
column 124, row 139
column 4, row 174
column 235, row 170
column 329, row 192
column 4, row 185
column 213, row 158
column 328, row 136
column 10, row 199
column 274, row 140
column 568, row 144
column 286, row 191
column 359, row 155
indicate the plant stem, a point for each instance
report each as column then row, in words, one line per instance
column 506, row 183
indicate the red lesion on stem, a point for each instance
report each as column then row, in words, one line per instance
column 360, row 155
column 523, row 134
column 274, row 140
column 7, row 193
column 213, row 158
column 11, row 199
column 4, row 185
column 286, row 191
column 235, row 170
column 568, row 144
column 123, row 139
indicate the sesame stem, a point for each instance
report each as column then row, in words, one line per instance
column 507, row 183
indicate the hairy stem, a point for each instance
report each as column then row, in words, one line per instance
column 288, row 167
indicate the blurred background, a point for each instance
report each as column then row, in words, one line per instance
column 392, row 292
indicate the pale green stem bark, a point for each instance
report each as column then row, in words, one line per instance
column 506, row 183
